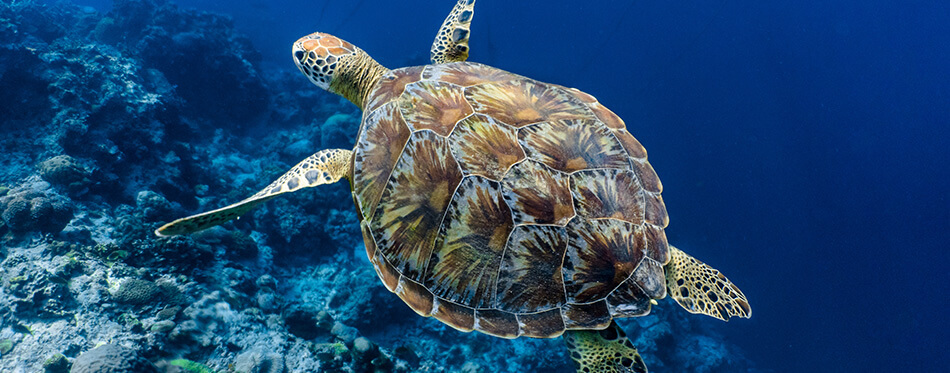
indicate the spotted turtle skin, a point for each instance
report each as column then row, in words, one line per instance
column 498, row 203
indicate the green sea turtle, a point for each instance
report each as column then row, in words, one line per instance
column 498, row 203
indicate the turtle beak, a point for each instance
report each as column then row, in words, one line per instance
column 305, row 59
column 299, row 54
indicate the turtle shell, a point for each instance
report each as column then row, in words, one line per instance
column 498, row 203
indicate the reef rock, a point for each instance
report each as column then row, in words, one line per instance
column 110, row 358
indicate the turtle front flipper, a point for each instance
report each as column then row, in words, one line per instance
column 323, row 167
column 700, row 288
column 451, row 43
column 603, row 351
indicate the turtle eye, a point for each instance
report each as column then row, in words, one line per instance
column 299, row 55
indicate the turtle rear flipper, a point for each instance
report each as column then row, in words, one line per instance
column 451, row 43
column 700, row 288
column 603, row 351
column 323, row 167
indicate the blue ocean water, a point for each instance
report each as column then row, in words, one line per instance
column 803, row 146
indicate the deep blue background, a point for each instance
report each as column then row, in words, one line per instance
column 803, row 145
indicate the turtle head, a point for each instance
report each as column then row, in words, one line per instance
column 337, row 66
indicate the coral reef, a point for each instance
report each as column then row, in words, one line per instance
column 56, row 364
column 34, row 206
column 65, row 171
column 125, row 120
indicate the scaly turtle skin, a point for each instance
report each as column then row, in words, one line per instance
column 498, row 203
